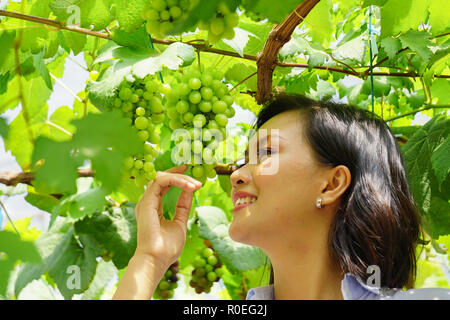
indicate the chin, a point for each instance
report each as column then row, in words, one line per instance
column 238, row 233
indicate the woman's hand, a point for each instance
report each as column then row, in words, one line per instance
column 161, row 239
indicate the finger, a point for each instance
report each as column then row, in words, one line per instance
column 183, row 207
column 178, row 169
column 152, row 196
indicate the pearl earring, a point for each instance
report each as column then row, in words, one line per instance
column 319, row 203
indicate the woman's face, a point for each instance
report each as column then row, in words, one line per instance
column 285, row 209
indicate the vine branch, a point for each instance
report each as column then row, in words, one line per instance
column 267, row 59
column 426, row 107
column 204, row 48
column 12, row 178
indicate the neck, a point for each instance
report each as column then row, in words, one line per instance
column 306, row 274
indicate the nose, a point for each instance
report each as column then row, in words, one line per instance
column 239, row 177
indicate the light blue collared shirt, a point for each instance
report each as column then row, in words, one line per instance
column 353, row 288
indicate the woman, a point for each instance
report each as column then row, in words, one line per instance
column 336, row 219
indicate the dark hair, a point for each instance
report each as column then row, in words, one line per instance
column 377, row 222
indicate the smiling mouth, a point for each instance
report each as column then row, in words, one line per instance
column 242, row 205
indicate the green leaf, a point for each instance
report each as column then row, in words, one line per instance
column 401, row 15
column 239, row 72
column 38, row 62
column 440, row 89
column 74, row 41
column 103, row 275
column 379, row 3
column 193, row 241
column 237, row 256
column 16, row 248
column 137, row 39
column 391, row 46
column 212, row 194
column 41, row 201
column 82, row 204
column 114, row 230
column 441, row 160
column 353, row 49
column 225, row 183
column 134, row 62
column 325, row 90
column 319, row 22
column 439, row 16
column 59, row 171
column 418, row 153
column 259, row 33
column 419, row 42
column 240, row 40
column 274, row 11
column 3, row 128
column 112, row 144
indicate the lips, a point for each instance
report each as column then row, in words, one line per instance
column 242, row 195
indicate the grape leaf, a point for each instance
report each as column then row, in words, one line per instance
column 379, row 3
column 59, row 171
column 105, row 272
column 391, row 46
column 113, row 230
column 401, row 15
column 259, row 33
column 274, row 11
column 353, row 49
column 110, row 146
column 419, row 42
column 439, row 15
column 239, row 72
column 72, row 41
column 441, row 160
column 81, row 204
column 128, row 14
column 134, row 62
column 440, row 89
column 418, row 152
column 237, row 256
column 3, row 128
column 319, row 22
column 240, row 40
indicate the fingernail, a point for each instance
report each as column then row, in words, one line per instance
column 191, row 185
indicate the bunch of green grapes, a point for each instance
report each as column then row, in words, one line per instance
column 207, row 269
column 168, row 283
column 221, row 25
column 141, row 103
column 162, row 15
column 199, row 103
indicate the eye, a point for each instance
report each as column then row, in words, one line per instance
column 268, row 151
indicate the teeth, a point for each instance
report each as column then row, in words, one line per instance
column 245, row 200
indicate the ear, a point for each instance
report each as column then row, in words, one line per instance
column 339, row 179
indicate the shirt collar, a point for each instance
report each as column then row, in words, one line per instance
column 352, row 287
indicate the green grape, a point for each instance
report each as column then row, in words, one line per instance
column 172, row 113
column 205, row 106
column 207, row 93
column 196, row 146
column 129, row 163
column 230, row 112
column 184, row 89
column 125, row 93
column 219, row 107
column 195, row 97
column 197, row 171
column 143, row 135
column 206, row 79
column 212, row 260
column 141, row 123
column 159, row 5
column 175, row 12
column 182, row 106
column 154, row 138
column 195, row 83
column 209, row 268
column 164, row 285
column 188, row 117
column 211, row 276
column 217, row 26
column 155, row 105
column 149, row 167
column 207, row 252
column 199, row 120
column 228, row 100
column 158, row 117
column 221, row 119
column 212, row 124
column 164, row 15
column 138, row 164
